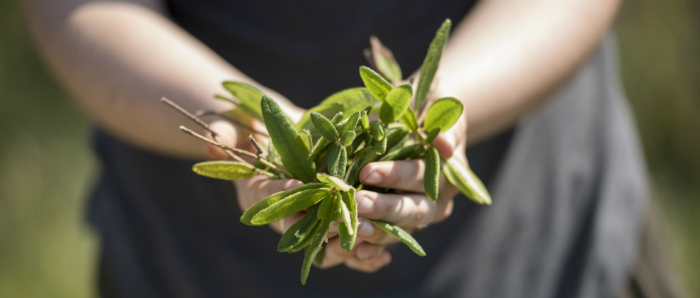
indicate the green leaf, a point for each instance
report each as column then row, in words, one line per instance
column 466, row 181
column 333, row 181
column 319, row 237
column 269, row 201
column 432, row 135
column 328, row 111
column 320, row 255
column 347, row 138
column 395, row 103
column 375, row 83
column 306, row 240
column 299, row 230
column 377, row 131
column 349, row 200
column 392, row 71
column 352, row 122
column 325, row 205
column 248, row 95
column 380, row 146
column 346, row 217
column 402, row 235
column 288, row 144
column 365, row 120
column 400, row 154
column 225, row 170
column 409, row 119
column 431, row 175
column 337, row 118
column 324, row 127
column 306, row 137
column 431, row 62
column 443, row 114
column 289, row 205
column 396, row 137
column 347, row 241
column 353, row 99
column 338, row 161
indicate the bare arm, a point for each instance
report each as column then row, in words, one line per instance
column 119, row 59
column 507, row 56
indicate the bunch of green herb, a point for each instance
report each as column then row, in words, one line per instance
column 331, row 143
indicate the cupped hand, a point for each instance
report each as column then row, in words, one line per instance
column 409, row 210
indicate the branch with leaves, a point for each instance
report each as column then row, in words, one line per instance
column 333, row 141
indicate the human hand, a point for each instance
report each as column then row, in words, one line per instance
column 410, row 210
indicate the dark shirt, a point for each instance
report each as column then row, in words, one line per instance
column 558, row 183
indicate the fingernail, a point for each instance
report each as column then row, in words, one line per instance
column 366, row 229
column 365, row 206
column 373, row 178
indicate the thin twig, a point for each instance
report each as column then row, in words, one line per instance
column 189, row 115
column 231, row 151
column 203, row 113
column 256, row 145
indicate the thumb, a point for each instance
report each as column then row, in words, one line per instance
column 226, row 134
column 445, row 144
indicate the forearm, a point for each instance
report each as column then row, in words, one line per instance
column 507, row 56
column 119, row 59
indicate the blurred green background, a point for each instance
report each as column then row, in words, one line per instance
column 47, row 169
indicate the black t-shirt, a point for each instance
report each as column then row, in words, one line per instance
column 169, row 233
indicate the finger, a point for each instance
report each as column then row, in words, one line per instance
column 226, row 134
column 444, row 143
column 281, row 226
column 368, row 232
column 335, row 254
column 405, row 210
column 366, row 250
column 404, row 174
column 371, row 265
column 262, row 187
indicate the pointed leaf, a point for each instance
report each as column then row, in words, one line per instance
column 299, row 230
column 385, row 61
column 432, row 135
column 352, row 122
column 288, row 144
column 304, row 243
column 443, row 114
column 377, row 131
column 289, row 205
column 380, row 146
column 324, row 127
column 402, row 235
column 365, row 120
column 353, row 99
column 375, row 83
column 337, row 162
column 306, row 137
column 395, row 103
column 328, row 110
column 347, row 138
column 248, row 95
column 225, row 170
column 431, row 175
column 431, row 62
column 267, row 202
column 319, row 237
column 400, row 154
column 396, row 137
column 333, row 181
column 347, row 241
column 409, row 119
column 466, row 181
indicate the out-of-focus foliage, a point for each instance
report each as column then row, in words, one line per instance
column 46, row 167
column 45, row 175
column 659, row 45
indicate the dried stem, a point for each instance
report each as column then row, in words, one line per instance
column 256, row 145
column 189, row 115
column 232, row 151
